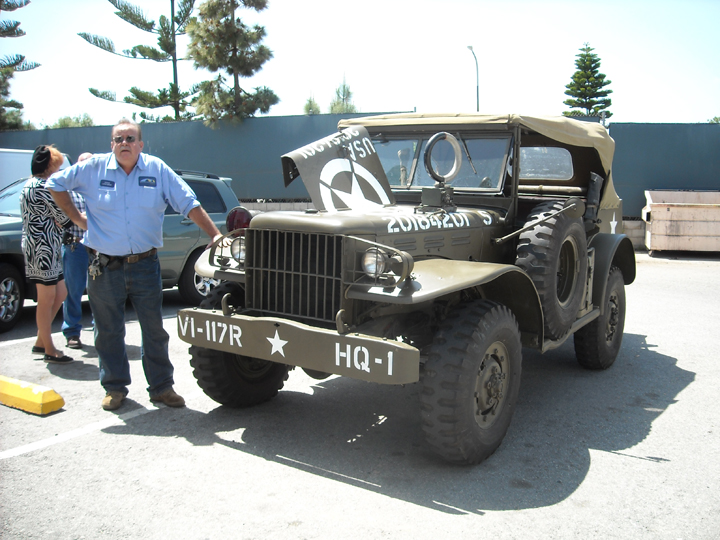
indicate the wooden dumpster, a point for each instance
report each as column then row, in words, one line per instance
column 682, row 220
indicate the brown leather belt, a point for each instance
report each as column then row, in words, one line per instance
column 128, row 258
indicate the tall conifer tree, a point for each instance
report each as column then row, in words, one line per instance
column 167, row 30
column 343, row 100
column 10, row 109
column 221, row 42
column 586, row 89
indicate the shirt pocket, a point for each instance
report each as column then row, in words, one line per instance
column 148, row 197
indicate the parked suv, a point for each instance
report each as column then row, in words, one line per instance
column 183, row 243
column 439, row 247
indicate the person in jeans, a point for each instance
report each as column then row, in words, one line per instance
column 75, row 259
column 126, row 193
column 75, row 267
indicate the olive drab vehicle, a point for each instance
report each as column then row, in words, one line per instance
column 438, row 247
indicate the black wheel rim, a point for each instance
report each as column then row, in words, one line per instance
column 613, row 320
column 251, row 369
column 491, row 385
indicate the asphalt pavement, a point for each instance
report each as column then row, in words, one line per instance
column 628, row 453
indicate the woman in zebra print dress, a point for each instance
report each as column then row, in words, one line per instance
column 42, row 243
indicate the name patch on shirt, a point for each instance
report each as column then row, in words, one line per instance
column 147, row 181
column 107, row 184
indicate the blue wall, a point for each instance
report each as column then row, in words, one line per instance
column 647, row 156
column 248, row 152
column 663, row 156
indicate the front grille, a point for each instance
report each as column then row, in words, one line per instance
column 294, row 274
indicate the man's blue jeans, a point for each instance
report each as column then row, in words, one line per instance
column 75, row 260
column 141, row 283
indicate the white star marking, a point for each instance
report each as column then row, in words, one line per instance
column 277, row 344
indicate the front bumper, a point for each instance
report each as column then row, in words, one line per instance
column 358, row 356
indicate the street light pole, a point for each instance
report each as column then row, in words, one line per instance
column 477, row 77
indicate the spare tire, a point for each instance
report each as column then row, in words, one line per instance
column 554, row 254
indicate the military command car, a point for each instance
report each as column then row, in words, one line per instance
column 439, row 247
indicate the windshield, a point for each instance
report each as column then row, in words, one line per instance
column 10, row 199
column 483, row 161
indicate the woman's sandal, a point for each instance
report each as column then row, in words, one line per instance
column 64, row 359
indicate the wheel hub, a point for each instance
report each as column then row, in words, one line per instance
column 491, row 385
column 613, row 317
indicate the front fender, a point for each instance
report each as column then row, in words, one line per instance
column 204, row 268
column 434, row 278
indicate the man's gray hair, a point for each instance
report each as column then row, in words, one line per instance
column 127, row 121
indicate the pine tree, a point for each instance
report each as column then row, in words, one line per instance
column 167, row 30
column 586, row 87
column 343, row 100
column 221, row 42
column 12, row 118
column 311, row 106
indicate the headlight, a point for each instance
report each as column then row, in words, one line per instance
column 374, row 262
column 237, row 249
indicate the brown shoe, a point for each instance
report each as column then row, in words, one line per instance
column 170, row 398
column 112, row 400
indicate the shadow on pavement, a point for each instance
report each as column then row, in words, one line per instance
column 369, row 436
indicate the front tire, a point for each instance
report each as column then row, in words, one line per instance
column 12, row 296
column 233, row 379
column 598, row 344
column 471, row 382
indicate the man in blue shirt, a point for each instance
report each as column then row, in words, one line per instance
column 126, row 193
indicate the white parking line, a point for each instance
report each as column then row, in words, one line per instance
column 96, row 426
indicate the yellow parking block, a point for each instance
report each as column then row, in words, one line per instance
column 29, row 397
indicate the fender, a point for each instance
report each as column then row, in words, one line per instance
column 434, row 278
column 204, row 268
column 611, row 250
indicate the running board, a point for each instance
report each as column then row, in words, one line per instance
column 550, row 344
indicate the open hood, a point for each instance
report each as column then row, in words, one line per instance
column 340, row 172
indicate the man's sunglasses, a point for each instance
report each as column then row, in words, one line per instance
column 119, row 139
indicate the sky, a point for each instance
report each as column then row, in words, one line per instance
column 397, row 55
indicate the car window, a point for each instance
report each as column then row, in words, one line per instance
column 545, row 163
column 208, row 195
column 10, row 199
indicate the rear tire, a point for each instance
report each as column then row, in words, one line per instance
column 233, row 379
column 12, row 296
column 598, row 344
column 471, row 382
column 554, row 254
